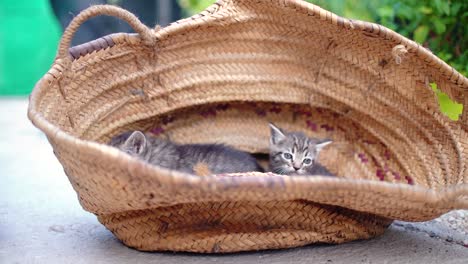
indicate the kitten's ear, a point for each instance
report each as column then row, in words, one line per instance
column 136, row 142
column 319, row 146
column 276, row 134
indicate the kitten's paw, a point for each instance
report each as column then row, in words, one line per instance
column 201, row 169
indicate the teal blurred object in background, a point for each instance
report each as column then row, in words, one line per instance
column 29, row 34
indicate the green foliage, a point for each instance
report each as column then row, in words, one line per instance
column 447, row 106
column 191, row 7
column 440, row 25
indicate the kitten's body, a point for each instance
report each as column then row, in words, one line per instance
column 293, row 153
column 318, row 169
column 217, row 158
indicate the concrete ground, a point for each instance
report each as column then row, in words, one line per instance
column 41, row 220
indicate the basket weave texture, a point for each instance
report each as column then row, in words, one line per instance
column 220, row 76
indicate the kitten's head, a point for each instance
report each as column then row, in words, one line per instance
column 293, row 153
column 131, row 142
column 147, row 148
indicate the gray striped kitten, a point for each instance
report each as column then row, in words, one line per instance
column 217, row 158
column 293, row 153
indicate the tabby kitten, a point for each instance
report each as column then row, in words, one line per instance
column 293, row 153
column 215, row 158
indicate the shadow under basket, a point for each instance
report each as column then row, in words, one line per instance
column 220, row 77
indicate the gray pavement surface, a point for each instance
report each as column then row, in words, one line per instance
column 41, row 220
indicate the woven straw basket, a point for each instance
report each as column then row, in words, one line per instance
column 221, row 76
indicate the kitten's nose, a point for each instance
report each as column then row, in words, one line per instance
column 296, row 167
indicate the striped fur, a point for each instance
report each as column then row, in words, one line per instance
column 216, row 158
column 293, row 153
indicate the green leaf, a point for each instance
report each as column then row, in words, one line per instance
column 420, row 34
column 442, row 5
column 194, row 6
column 452, row 109
column 405, row 12
column 444, row 55
column 456, row 7
column 439, row 26
column 425, row 10
column 446, row 7
column 385, row 11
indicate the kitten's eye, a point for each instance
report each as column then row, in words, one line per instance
column 287, row 156
column 307, row 161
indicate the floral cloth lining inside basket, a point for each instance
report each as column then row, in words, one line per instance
column 315, row 122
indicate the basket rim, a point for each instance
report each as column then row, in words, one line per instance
column 312, row 10
column 421, row 194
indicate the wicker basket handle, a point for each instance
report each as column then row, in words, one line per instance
column 145, row 33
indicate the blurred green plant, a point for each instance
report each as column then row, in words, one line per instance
column 447, row 106
column 191, row 7
column 440, row 25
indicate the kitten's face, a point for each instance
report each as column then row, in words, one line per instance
column 133, row 143
column 293, row 153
